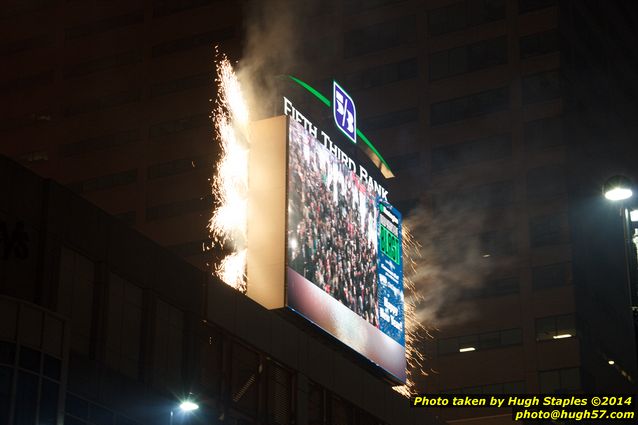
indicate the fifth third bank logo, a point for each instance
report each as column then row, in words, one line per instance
column 344, row 112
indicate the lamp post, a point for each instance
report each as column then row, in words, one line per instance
column 618, row 189
column 185, row 407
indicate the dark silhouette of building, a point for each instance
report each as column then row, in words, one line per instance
column 99, row 325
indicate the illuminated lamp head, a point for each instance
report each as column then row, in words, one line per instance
column 617, row 188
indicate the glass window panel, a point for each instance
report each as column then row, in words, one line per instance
column 566, row 324
column 77, row 406
column 549, row 381
column 511, row 337
column 545, row 328
column 468, row 341
column 49, row 403
column 53, row 335
column 490, row 340
column 8, row 314
column 448, row 345
column 100, row 416
column 29, row 359
column 52, row 367
column 30, row 326
column 6, row 377
column 570, row 379
column 7, row 352
column 26, row 399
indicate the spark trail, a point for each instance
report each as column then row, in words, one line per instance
column 227, row 226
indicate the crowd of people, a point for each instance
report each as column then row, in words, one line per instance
column 332, row 229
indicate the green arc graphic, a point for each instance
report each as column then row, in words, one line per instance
column 380, row 162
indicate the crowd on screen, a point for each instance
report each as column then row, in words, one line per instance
column 332, row 226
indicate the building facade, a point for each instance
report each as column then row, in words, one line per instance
column 102, row 326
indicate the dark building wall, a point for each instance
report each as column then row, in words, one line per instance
column 139, row 329
column 597, row 56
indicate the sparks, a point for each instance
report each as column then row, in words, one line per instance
column 227, row 225
column 415, row 331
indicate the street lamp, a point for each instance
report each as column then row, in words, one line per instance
column 617, row 188
column 185, row 406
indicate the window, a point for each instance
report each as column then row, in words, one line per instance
column 352, row 7
column 469, row 106
column 107, row 141
column 538, row 44
column 545, row 183
column 381, row 75
column 104, row 25
column 405, row 161
column 103, row 102
column 124, row 321
column 494, row 288
column 189, row 249
column 26, row 402
column 525, row 6
column 341, row 412
column 464, row 14
column 471, row 152
column 559, row 381
column 543, row 133
column 176, row 126
column 472, row 57
column 380, row 36
column 245, row 373
column 192, row 42
column 487, row 340
column 104, row 63
column 163, row 8
column 279, row 398
column 84, row 412
column 555, row 326
column 546, row 230
column 167, row 358
column 316, row 405
column 391, row 119
column 26, row 44
column 497, row 243
column 179, row 166
column 105, row 182
column 210, row 359
column 175, row 209
column 541, row 87
column 489, row 195
column 550, row 276
column 75, row 300
column 181, row 84
column 6, row 385
column 26, row 82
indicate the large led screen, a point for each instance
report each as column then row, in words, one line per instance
column 344, row 268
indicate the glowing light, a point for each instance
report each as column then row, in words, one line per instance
column 562, row 336
column 188, row 406
column 618, row 194
column 466, row 349
column 611, row 362
column 227, row 225
column 633, row 215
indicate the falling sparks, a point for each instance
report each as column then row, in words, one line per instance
column 415, row 331
column 227, row 225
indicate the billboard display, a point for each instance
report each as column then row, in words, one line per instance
column 344, row 268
